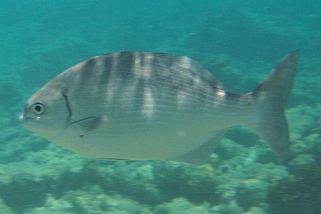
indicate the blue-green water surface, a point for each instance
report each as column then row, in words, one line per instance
column 238, row 41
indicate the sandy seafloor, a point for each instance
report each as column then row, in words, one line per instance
column 238, row 41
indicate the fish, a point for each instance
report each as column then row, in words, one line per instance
column 155, row 106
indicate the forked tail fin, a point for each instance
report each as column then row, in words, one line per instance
column 271, row 96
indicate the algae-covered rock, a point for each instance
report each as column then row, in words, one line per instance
column 302, row 120
column 197, row 184
column 227, row 208
column 182, row 206
column 4, row 208
column 247, row 184
column 90, row 200
column 132, row 179
column 25, row 182
column 93, row 200
column 299, row 193
column 255, row 210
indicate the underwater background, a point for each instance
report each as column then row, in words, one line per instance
column 238, row 41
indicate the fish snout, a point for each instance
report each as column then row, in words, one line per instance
column 22, row 116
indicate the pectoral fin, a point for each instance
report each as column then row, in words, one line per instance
column 91, row 123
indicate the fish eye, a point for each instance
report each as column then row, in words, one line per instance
column 38, row 108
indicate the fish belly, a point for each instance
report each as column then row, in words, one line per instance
column 145, row 139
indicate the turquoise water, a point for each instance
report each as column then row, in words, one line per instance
column 238, row 41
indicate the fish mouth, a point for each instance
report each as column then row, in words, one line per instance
column 25, row 119
column 30, row 123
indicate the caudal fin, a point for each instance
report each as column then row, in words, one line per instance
column 271, row 96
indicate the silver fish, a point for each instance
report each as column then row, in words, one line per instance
column 147, row 106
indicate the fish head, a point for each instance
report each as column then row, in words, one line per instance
column 46, row 112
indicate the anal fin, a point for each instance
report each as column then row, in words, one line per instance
column 202, row 153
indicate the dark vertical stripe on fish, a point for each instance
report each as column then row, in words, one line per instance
column 105, row 74
column 86, row 71
column 140, row 94
column 68, row 107
column 126, row 62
